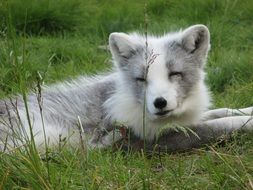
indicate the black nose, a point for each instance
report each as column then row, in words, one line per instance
column 160, row 103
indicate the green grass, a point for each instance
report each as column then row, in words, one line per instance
column 61, row 38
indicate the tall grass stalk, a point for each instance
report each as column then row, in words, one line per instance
column 145, row 76
column 29, row 153
column 81, row 132
column 40, row 104
column 150, row 57
column 18, row 68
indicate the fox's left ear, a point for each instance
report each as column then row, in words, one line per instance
column 196, row 40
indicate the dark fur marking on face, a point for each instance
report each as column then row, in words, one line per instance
column 170, row 63
column 175, row 73
column 173, row 46
column 140, row 80
column 131, row 53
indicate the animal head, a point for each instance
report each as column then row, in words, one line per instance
column 175, row 68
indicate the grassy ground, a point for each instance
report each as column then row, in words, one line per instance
column 61, row 38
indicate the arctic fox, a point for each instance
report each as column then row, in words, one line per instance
column 172, row 88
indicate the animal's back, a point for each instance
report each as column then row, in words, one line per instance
column 63, row 106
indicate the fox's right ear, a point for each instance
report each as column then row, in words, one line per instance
column 121, row 47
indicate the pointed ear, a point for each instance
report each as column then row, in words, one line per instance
column 196, row 40
column 121, row 47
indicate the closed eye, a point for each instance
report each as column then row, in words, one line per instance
column 172, row 74
column 140, row 79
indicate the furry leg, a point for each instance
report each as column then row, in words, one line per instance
column 226, row 112
column 207, row 132
column 232, row 123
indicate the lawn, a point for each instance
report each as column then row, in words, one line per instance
column 60, row 39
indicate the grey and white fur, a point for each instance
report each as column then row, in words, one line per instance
column 173, row 89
